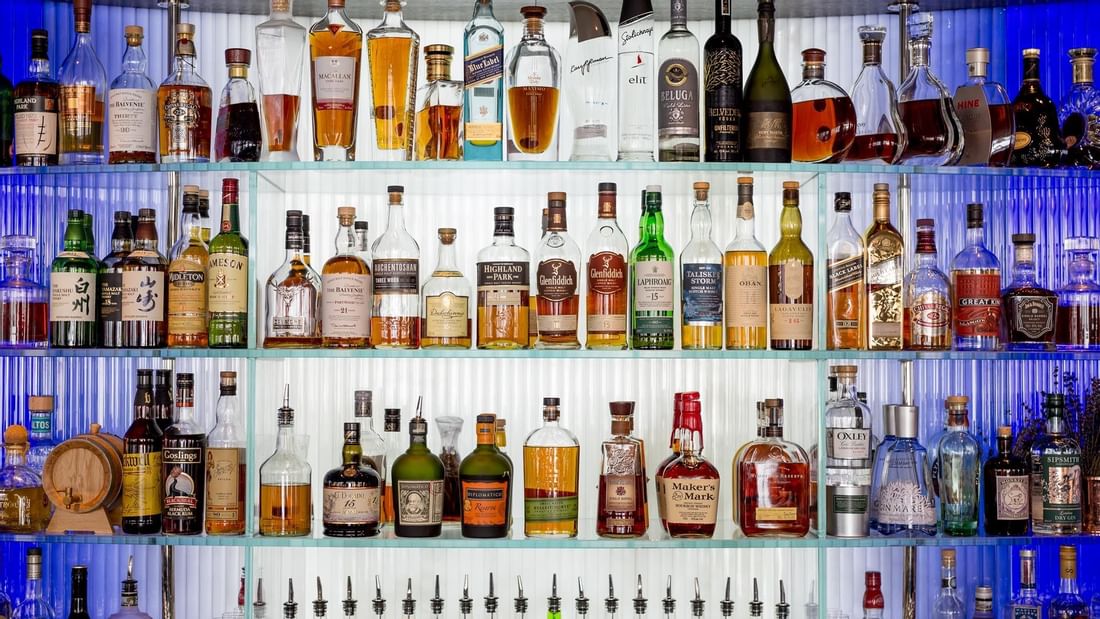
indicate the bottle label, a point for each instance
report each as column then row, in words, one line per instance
column 345, row 305
column 1012, row 497
column 35, row 125
column 334, row 83
column 71, row 297
column 621, row 492
column 930, row 318
column 792, row 321
column 848, row 443
column 503, row 283
column 702, row 292
column 1032, row 316
column 141, row 487
column 607, row 273
column 227, row 284
column 844, row 273
column 448, row 315
column 636, row 82
column 186, row 297
column 722, row 86
column 905, row 503
column 41, row 424
column 557, row 280
column 484, row 65
column 223, row 483
column 653, row 286
column 78, row 110
column 550, row 509
column 351, row 504
column 972, row 107
column 396, row 276
column 485, row 503
column 1060, row 478
column 143, row 296
column 849, row 503
column 1020, row 611
column 769, row 130
column 691, row 501
column 183, row 471
column 110, row 297
column 132, row 123
column 181, row 112
column 977, row 304
column 677, row 97
column 746, row 296
column 420, row 503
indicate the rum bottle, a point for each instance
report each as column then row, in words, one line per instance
column 551, row 477
column 1038, row 137
column 184, row 102
column 238, row 136
column 637, row 81
column 144, row 293
column 345, row 290
column 439, row 116
column 985, row 115
column 823, row 123
column 701, row 280
column 622, row 496
column 1079, row 298
column 110, row 280
column 746, row 279
column 1056, row 477
column 1079, row 113
column 352, row 493
column 186, row 283
column 445, row 310
column 227, row 290
column 37, row 106
column 1007, row 501
column 884, row 274
column 183, row 465
column 226, row 464
column 503, row 287
column 393, row 50
column 285, row 478
column 418, row 485
column 845, row 270
column 678, row 90
column 691, row 483
column 926, row 296
column 143, row 444
column 391, row 448
column 83, row 89
column 483, row 71
column 557, row 284
column 774, row 478
column 395, row 318
column 486, row 477
column 132, row 107
column 767, row 105
column 791, row 280
column 651, row 279
column 533, row 85
column 590, row 82
column 280, row 48
column 73, row 289
column 292, row 308
column 880, row 133
column 335, row 52
column 932, row 128
column 24, row 507
column 1030, row 311
column 722, row 88
column 975, row 286
column 606, row 298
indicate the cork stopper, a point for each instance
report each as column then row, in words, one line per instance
column 1031, row 52
column 1004, row 432
column 956, row 401
column 15, row 434
column 533, row 12
column 280, row 6
column 447, row 236
column 947, row 557
column 82, row 15
column 395, row 193
column 40, row 403
column 872, row 580
column 790, row 193
column 813, row 55
column 134, row 35
column 1025, row 238
column 702, row 190
column 487, row 418
column 845, row 371
column 238, row 56
column 346, row 215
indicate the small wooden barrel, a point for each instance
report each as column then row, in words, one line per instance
column 85, row 472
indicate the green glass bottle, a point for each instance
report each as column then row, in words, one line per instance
column 227, row 277
column 791, row 280
column 89, row 235
column 73, row 290
column 486, row 478
column 417, row 482
column 767, row 104
column 652, row 263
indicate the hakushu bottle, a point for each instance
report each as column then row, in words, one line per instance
column 976, row 289
column 767, row 106
column 445, row 310
column 184, row 102
column 395, row 318
column 142, row 486
column 722, row 89
column 622, row 500
column 487, row 478
column 280, row 48
column 292, row 308
column 880, row 134
column 83, row 89
column 637, row 81
column 144, row 294
column 36, row 103
column 184, row 465
column 746, row 275
column 926, row 322
column 439, row 116
column 651, row 279
column 557, row 283
column 417, row 485
column 226, row 464
column 238, row 137
column 503, row 287
column 551, row 477
column 73, row 289
column 983, row 109
column 884, row 275
column 132, row 107
column 186, row 285
column 845, row 328
column 352, row 492
column 228, row 278
column 285, row 478
column 393, row 52
column 701, row 279
column 1038, row 137
column 483, row 69
column 678, row 90
column 791, row 280
column 533, row 80
column 346, row 295
column 606, row 297
column 335, row 53
column 590, row 81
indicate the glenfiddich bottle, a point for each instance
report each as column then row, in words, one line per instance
column 144, row 294
column 184, row 465
column 418, row 486
column 557, row 281
column 141, row 464
column 606, row 301
column 185, row 106
column 503, row 287
column 487, row 477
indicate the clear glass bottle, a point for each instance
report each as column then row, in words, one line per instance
column 931, row 125
column 902, row 503
column 637, row 81
column 791, row 280
column 36, row 98
column 280, row 50
column 533, row 81
column 345, row 290
column 445, row 306
column 957, row 470
column 285, row 483
column 128, row 606
column 1055, row 474
column 678, row 90
column 393, row 51
column 823, row 124
column 976, row 289
column 985, row 115
column 483, row 71
column 774, row 482
column 238, row 136
column 947, row 604
column 746, row 275
column 1038, row 137
column 1026, row 601
column 590, row 82
column 439, row 132
column 1030, row 311
column 375, row 450
column 845, row 328
column 362, row 241
column 24, row 507
column 40, row 409
column 35, row 604
column 622, row 502
column 184, row 106
column 1079, row 113
column 1079, row 298
column 449, row 427
column 983, row 603
column 926, row 300
column 880, row 134
column 226, row 462
column 335, row 53
column 24, row 303
column 186, row 284
column 395, row 319
column 701, row 280
column 83, row 89
column 132, row 107
column 503, row 287
column 292, row 307
column 551, row 477
column 1068, row 603
column 653, row 303
column 608, row 255
column 848, row 458
column 557, row 283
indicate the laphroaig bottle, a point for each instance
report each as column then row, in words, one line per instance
column 226, row 464
column 132, row 107
column 184, row 465
column 651, row 280
column 701, row 280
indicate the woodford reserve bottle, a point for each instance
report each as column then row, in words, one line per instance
column 746, row 286
column 791, row 280
column 184, row 465
column 503, row 287
column 606, row 304
column 486, row 476
column 558, row 287
column 141, row 464
column 227, row 278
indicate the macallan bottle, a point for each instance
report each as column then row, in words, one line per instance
column 346, row 290
column 503, row 287
column 141, row 464
column 746, row 285
column 144, row 294
column 226, row 464
column 183, row 465
column 926, row 323
column 395, row 319
column 184, row 105
column 335, row 52
column 393, row 50
column 701, row 280
column 621, row 509
column 845, row 328
column 791, row 280
column 606, row 299
column 557, row 281
column 884, row 275
column 132, row 107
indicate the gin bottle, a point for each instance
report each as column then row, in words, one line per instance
column 1006, row 489
column 901, row 496
column 132, row 107
column 678, row 90
column 1055, row 475
column 848, row 460
column 83, row 89
column 957, row 470
column 280, row 48
column 590, row 81
column 637, row 77
column 483, row 69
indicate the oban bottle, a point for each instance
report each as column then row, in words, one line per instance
column 746, row 273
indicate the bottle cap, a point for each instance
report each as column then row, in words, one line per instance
column 954, row 401
column 395, row 189
column 439, row 50
column 551, row 401
column 587, row 21
column 40, row 43
column 977, row 55
column 605, row 187
column 184, row 30
column 847, row 371
column 974, row 215
column 842, row 202
column 15, row 434
column 744, row 180
column 621, row 409
column 362, row 225
column 556, row 196
column 447, row 235
column 791, row 185
column 238, row 56
column 418, row 426
column 228, row 377
column 504, row 211
column 872, row 580
column 346, row 212
column 906, row 421
column 134, row 32
column 926, row 223
column 1031, row 52
column 533, row 12
column 40, row 403
column 487, row 418
column 1023, row 239
column 813, row 56
column 947, row 557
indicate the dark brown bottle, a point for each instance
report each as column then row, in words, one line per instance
column 722, row 88
column 184, row 465
column 1030, row 310
column 37, row 105
column 1006, row 489
column 163, row 413
column 1038, row 137
column 144, row 294
column 141, row 464
column 767, row 104
column 110, row 282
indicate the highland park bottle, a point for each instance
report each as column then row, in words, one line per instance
column 36, row 108
column 335, row 53
column 503, row 287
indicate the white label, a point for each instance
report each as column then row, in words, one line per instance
column 132, row 124
column 849, row 443
column 36, row 133
column 653, row 286
column 334, row 82
column 71, row 297
column 345, row 305
column 143, row 295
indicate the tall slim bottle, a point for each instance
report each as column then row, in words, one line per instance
column 186, row 283
column 184, row 466
column 976, row 289
column 651, row 280
column 335, row 53
column 395, row 320
column 722, row 88
column 280, row 48
column 746, row 274
column 78, row 596
column 226, row 464
column 637, row 81
column 110, row 281
column 606, row 297
column 678, row 90
column 7, row 120
column 767, row 105
column 1068, row 603
column 36, row 102
column 132, row 107
column 227, row 290
column 83, row 89
column 884, row 273
column 483, row 68
column 701, row 280
column 845, row 328
column 791, row 280
column 590, row 82
column 141, row 464
column 393, row 51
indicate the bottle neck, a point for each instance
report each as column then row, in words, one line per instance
column 146, row 237
column 227, row 411
column 920, row 52
column 1023, row 267
column 947, row 580
column 231, row 221
column 284, row 439
column 448, row 261
column 74, row 236
column 872, row 53
column 78, row 601
column 975, row 236
column 653, row 223
column 39, row 69
column 15, row 455
column 1056, row 425
column 1068, row 582
column 678, row 16
column 1031, row 70
column 533, row 29
column 1004, row 445
column 121, row 239
column 190, row 226
column 790, row 222
column 418, row 442
column 185, row 64
column 395, row 218
column 722, row 16
column 765, row 28
column 1027, row 575
column 701, row 220
column 1083, row 72
column 813, row 71
column 1081, row 268
column 34, row 585
column 134, row 60
column 346, row 241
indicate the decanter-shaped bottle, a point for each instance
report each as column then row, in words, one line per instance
column 621, row 505
column 1038, row 137
column 392, row 51
column 293, row 293
column 533, row 78
column 1030, row 311
column 418, row 482
column 1080, row 111
column 25, row 508
column 184, row 103
column 449, row 427
column 83, row 89
column 335, row 52
column 439, row 134
column 774, row 482
column 901, row 495
column 931, row 125
column 483, row 110
column 24, row 303
column 285, row 483
column 238, row 136
column 988, row 126
column 824, row 119
column 280, row 48
column 590, row 82
column 880, row 134
column 1079, row 299
column 132, row 107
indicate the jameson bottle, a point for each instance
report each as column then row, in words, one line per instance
column 227, row 278
column 767, row 105
column 652, row 263
column 73, row 289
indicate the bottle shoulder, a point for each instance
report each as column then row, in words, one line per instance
column 551, row 437
column 503, row 253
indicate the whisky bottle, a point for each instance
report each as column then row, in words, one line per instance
column 884, row 275
column 503, row 287
column 144, row 294
column 306, row 241
column 533, row 312
column 1006, row 489
column 395, row 319
column 880, row 134
column 186, row 283
column 446, row 304
column 352, row 492
column 393, row 49
column 83, row 88
column 184, row 102
column 141, row 464
column 439, row 116
column 823, row 118
column 678, row 90
column 390, row 444
column 204, row 215
column 976, row 289
column 417, row 483
column 722, row 88
column 844, row 273
column 449, row 427
column 374, row 448
column 533, row 85
column 1029, row 309
column 24, row 507
column 590, row 82
column 926, row 296
column 40, row 410
column 132, row 107
column 35, row 604
column 163, row 400
column 78, row 598
column 551, row 477
column 1055, row 457
column 183, row 465
column 335, row 53
column 651, row 279
column 1038, row 137
column 701, row 280
column 1068, row 602
column 746, row 279
column 36, row 102
column 483, row 70
column 238, row 136
column 24, row 322
column 345, row 290
column 678, row 427
column 774, row 482
column 128, row 605
column 791, row 280
column 986, row 116
column 691, row 483
column 487, row 478
column 637, row 81
column 557, row 284
column 606, row 298
column 280, row 47
column 285, row 478
column 767, row 105
column 292, row 309
column 227, row 290
column 1079, row 297
column 622, row 496
column 73, row 289
column 226, row 464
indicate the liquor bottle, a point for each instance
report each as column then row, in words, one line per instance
column 767, row 105
column 7, row 120
column 204, row 215
column 446, row 304
column 335, row 53
column 746, row 279
column 144, row 294
column 390, row 448
column 774, row 482
column 844, row 323
column 975, row 285
column 483, row 69
column 307, row 241
column 37, row 104
column 184, row 102
column 132, row 107
column 1068, row 603
column 884, row 276
column 89, row 234
column 238, row 136
column 983, row 603
column 78, row 597
column 439, row 134
column 72, row 290
column 362, row 241
column 637, row 87
column 128, row 606
column 622, row 496
column 40, row 412
column 926, row 323
column 957, row 470
column 352, row 493
column 678, row 90
column 227, row 290
column 651, row 279
column 701, row 280
column 722, row 89
column 24, row 303
column 24, row 507
column 1026, row 601
column 183, row 465
column 1055, row 475
column 373, row 447
column 503, row 287
column 449, row 428
column 532, row 312
column 607, row 250
column 823, row 121
column 1079, row 113
column 551, row 477
column 931, row 125
column 345, row 290
column 1029, row 310
column 848, row 458
column 35, row 604
column 874, row 604
column 418, row 482
column 392, row 51
column 901, row 495
column 502, row 444
column 880, row 133
column 947, row 604
column 590, row 81
column 791, row 280
column 395, row 319
column 486, row 477
column 292, row 308
column 1079, row 298
column 285, row 480
column 533, row 83
column 1038, row 137
column 1006, row 489
column 988, row 127
column 83, row 88
column 557, row 284
column 226, row 464
column 186, row 280
column 691, row 483
column 141, row 464
column 110, row 281
column 280, row 50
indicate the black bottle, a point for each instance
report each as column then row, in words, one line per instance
column 1038, row 138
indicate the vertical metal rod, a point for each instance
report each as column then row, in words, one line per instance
column 167, row 582
column 909, row 584
column 905, row 9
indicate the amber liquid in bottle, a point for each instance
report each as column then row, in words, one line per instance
column 391, row 121
column 230, row 526
column 822, row 128
column 534, row 116
column 791, row 280
column 503, row 288
column 927, row 132
column 203, row 102
column 870, row 146
column 280, row 118
column 334, row 123
column 290, row 509
column 606, row 294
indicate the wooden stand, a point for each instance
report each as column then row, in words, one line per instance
column 95, row 522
